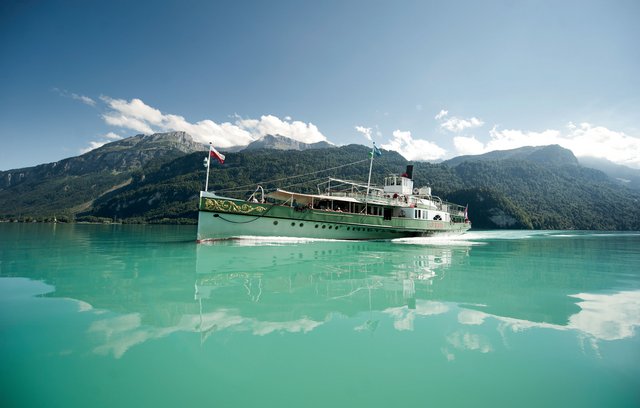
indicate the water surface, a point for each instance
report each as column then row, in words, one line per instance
column 99, row 315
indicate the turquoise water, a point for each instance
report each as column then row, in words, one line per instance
column 124, row 316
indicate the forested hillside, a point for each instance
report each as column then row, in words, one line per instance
column 67, row 187
column 542, row 188
column 501, row 193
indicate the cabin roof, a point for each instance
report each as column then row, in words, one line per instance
column 307, row 198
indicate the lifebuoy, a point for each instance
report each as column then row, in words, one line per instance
column 416, row 191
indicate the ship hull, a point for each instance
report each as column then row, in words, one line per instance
column 226, row 218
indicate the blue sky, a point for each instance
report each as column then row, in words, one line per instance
column 430, row 79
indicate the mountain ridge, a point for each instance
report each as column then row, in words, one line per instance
column 279, row 142
column 73, row 183
column 539, row 187
column 551, row 154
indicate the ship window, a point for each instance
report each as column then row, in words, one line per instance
column 275, row 223
column 316, row 225
column 301, row 224
column 293, row 224
column 324, row 226
column 330, row 227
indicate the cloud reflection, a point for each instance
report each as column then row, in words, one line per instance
column 119, row 334
column 602, row 317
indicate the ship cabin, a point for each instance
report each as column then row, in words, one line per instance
column 398, row 185
column 397, row 199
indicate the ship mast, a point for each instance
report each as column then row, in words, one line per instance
column 208, row 163
column 373, row 152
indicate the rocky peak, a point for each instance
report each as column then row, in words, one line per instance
column 279, row 142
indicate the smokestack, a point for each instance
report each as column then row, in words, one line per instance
column 409, row 171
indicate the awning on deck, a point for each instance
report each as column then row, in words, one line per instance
column 308, row 198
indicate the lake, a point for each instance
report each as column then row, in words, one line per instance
column 123, row 316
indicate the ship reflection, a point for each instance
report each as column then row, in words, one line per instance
column 298, row 287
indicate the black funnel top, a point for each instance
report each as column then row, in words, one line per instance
column 409, row 171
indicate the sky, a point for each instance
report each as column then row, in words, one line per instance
column 429, row 79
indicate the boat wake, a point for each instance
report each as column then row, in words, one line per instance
column 458, row 240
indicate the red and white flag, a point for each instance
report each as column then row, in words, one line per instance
column 214, row 153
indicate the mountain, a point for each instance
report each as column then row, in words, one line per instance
column 533, row 187
column 170, row 193
column 279, row 142
column 501, row 193
column 622, row 174
column 549, row 187
column 552, row 155
column 68, row 186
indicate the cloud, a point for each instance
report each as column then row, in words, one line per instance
column 110, row 137
column 441, row 114
column 468, row 145
column 272, row 125
column 455, row 124
column 414, row 149
column 138, row 116
column 366, row 132
column 584, row 140
column 82, row 98
column 92, row 146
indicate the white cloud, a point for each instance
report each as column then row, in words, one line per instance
column 583, row 140
column 92, row 145
column 414, row 149
column 468, row 145
column 366, row 132
column 140, row 117
column 455, row 124
column 112, row 136
column 441, row 114
column 82, row 98
column 272, row 125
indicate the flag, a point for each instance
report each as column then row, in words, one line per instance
column 214, row 153
column 466, row 213
column 375, row 151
